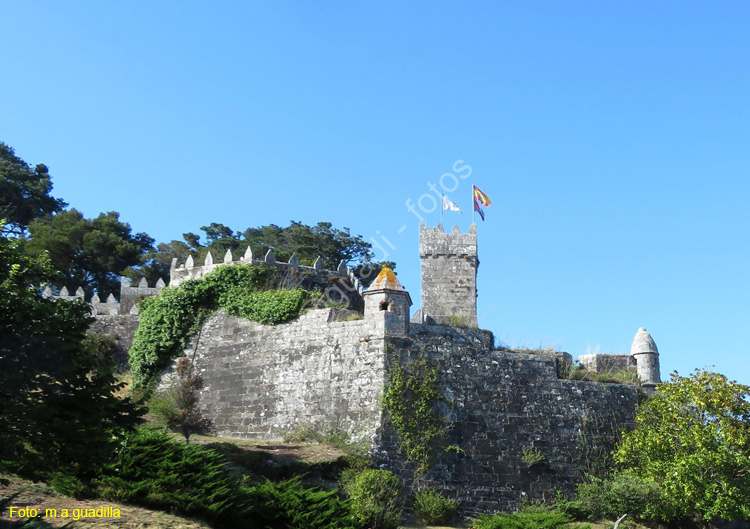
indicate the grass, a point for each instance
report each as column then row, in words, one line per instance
column 615, row 377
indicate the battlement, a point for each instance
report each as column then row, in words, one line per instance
column 189, row 270
column 449, row 276
column 435, row 242
column 129, row 297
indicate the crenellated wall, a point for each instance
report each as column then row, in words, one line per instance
column 338, row 286
column 129, row 297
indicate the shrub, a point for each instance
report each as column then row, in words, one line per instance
column 620, row 493
column 153, row 471
column 289, row 505
column 432, row 508
column 177, row 406
column 104, row 349
column 692, row 439
column 70, row 486
column 572, row 508
column 374, row 496
column 522, row 520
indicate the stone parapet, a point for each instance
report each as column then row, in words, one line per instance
column 129, row 297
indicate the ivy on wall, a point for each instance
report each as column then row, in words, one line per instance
column 168, row 321
column 410, row 399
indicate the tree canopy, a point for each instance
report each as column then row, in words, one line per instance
column 88, row 252
column 57, row 411
column 24, row 192
column 693, row 441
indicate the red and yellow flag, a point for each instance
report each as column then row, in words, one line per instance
column 481, row 197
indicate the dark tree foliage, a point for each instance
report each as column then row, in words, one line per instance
column 158, row 261
column 309, row 242
column 57, row 412
column 24, row 192
column 91, row 253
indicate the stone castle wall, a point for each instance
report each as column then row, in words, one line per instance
column 449, row 276
column 121, row 329
column 262, row 381
column 499, row 404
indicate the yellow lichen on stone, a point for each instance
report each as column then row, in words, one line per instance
column 386, row 280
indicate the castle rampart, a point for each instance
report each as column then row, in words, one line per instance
column 499, row 405
column 260, row 381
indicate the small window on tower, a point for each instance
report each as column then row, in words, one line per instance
column 384, row 305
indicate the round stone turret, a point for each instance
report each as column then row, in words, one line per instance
column 387, row 301
column 646, row 356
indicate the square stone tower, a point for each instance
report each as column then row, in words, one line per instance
column 449, row 276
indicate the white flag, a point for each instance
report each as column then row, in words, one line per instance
column 450, row 205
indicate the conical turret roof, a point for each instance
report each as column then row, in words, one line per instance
column 386, row 280
column 643, row 343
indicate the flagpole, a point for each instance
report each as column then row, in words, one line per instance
column 473, row 209
column 442, row 207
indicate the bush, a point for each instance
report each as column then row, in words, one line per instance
column 692, row 439
column 153, row 471
column 620, row 493
column 523, row 520
column 289, row 505
column 70, row 486
column 374, row 496
column 432, row 508
column 572, row 508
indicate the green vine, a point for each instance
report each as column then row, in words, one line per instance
column 168, row 321
column 410, row 399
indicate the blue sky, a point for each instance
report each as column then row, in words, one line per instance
column 613, row 139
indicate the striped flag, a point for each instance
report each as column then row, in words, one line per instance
column 481, row 197
column 478, row 209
